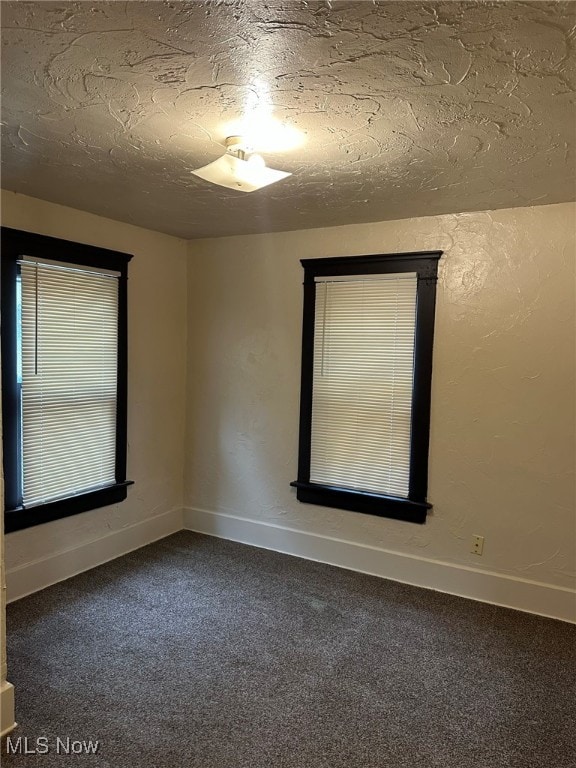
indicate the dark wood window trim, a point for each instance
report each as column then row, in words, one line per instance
column 416, row 506
column 17, row 243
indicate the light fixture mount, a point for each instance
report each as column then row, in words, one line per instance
column 235, row 144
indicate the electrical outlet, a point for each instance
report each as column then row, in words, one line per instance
column 477, row 544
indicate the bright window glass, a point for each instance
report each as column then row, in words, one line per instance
column 363, row 381
column 68, row 353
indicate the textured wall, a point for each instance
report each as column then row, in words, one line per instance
column 502, row 450
column 156, row 373
column 6, row 688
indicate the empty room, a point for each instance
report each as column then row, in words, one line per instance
column 288, row 375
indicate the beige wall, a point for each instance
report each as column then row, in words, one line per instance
column 6, row 689
column 156, row 375
column 502, row 443
column 502, row 452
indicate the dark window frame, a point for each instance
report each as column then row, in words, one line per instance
column 15, row 244
column 415, row 507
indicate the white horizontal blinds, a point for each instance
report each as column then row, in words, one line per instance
column 362, row 386
column 69, row 340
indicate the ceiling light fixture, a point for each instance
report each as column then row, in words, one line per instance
column 239, row 168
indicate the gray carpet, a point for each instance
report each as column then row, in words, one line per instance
column 204, row 653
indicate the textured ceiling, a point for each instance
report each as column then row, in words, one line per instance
column 407, row 108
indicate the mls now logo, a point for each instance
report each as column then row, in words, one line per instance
column 23, row 745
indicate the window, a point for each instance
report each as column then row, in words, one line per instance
column 63, row 328
column 366, row 382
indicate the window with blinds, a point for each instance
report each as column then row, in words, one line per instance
column 362, row 384
column 366, row 383
column 63, row 332
column 68, row 353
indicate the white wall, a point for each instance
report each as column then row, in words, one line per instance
column 6, row 688
column 156, row 401
column 502, row 443
column 502, row 451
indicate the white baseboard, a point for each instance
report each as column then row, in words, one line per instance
column 7, row 722
column 463, row 581
column 484, row 586
column 28, row 578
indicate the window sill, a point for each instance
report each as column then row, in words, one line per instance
column 359, row 501
column 20, row 518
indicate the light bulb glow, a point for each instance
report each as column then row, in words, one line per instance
column 256, row 161
column 269, row 135
column 260, row 129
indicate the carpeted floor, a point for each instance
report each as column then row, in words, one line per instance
column 201, row 653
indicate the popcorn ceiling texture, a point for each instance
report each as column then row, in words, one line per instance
column 408, row 108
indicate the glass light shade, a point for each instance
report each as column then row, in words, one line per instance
column 243, row 175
